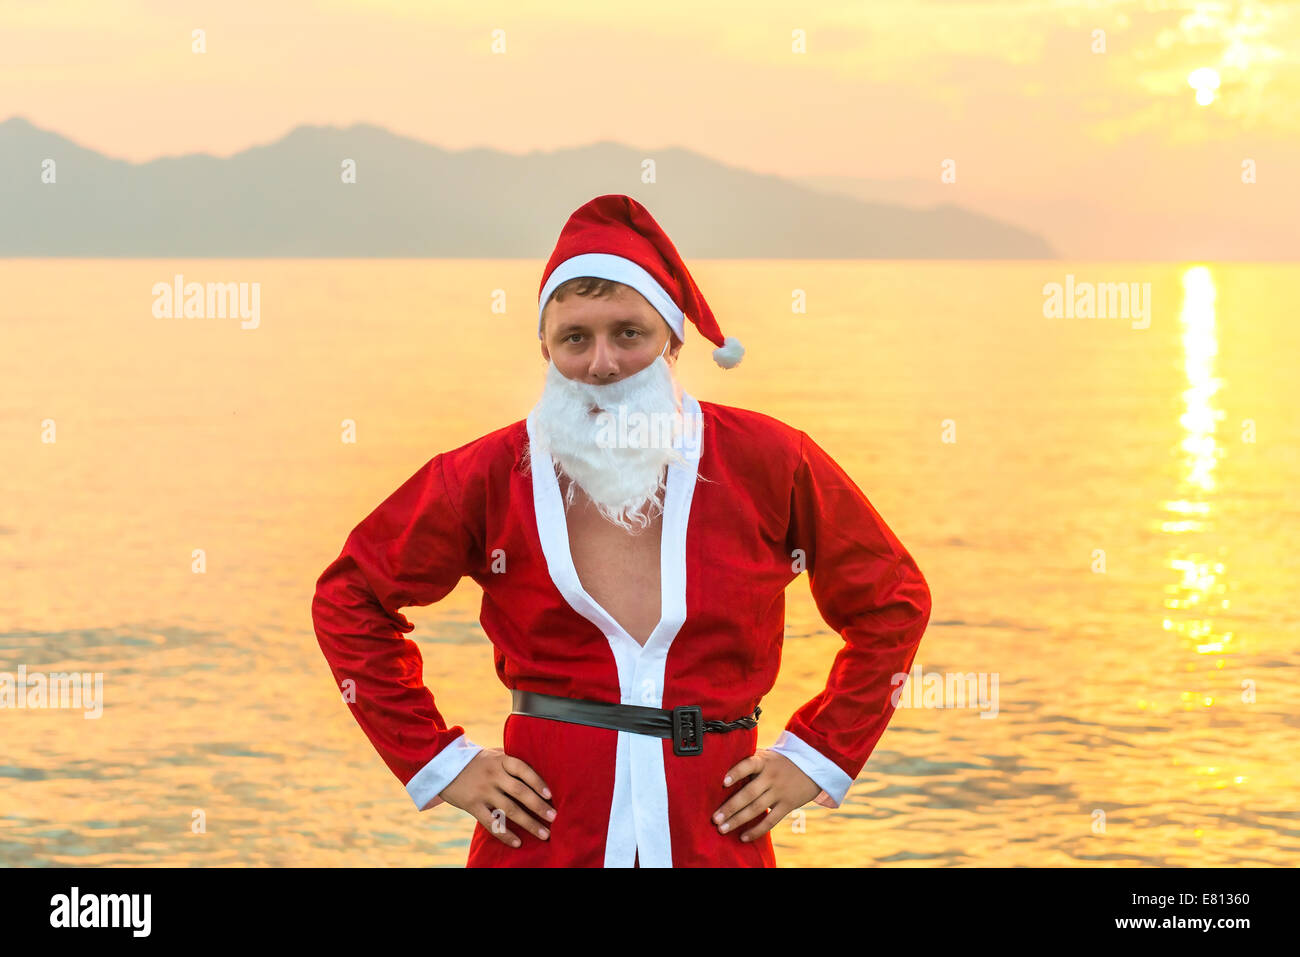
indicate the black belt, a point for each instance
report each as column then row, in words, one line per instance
column 685, row 724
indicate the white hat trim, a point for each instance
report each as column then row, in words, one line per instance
column 619, row 269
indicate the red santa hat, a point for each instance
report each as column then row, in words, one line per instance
column 615, row 237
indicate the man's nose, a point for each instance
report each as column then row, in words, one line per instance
column 604, row 364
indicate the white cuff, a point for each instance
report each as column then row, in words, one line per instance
column 440, row 772
column 835, row 783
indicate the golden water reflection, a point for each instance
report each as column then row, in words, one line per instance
column 1201, row 589
column 177, row 435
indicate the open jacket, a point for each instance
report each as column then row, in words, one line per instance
column 757, row 505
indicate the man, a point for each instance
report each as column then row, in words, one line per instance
column 633, row 545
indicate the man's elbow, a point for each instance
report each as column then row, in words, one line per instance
column 322, row 614
column 328, row 605
column 915, row 590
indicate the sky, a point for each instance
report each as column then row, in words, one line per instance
column 1045, row 118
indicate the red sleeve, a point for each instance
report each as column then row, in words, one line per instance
column 870, row 591
column 411, row 550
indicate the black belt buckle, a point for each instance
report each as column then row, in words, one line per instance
column 688, row 730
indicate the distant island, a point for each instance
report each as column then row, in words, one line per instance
column 413, row 199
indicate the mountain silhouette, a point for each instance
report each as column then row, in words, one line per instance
column 413, row 199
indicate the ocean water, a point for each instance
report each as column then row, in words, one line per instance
column 1104, row 508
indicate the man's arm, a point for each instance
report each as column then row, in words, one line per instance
column 870, row 591
column 411, row 550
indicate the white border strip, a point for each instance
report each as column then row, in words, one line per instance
column 638, row 822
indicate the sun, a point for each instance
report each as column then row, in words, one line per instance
column 1204, row 81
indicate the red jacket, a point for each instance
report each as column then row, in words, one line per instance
column 769, row 504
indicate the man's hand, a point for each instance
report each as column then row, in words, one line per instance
column 495, row 780
column 777, row 784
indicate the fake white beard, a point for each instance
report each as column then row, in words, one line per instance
column 623, row 479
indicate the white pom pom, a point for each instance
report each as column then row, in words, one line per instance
column 730, row 353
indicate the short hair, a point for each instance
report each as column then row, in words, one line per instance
column 589, row 286
column 592, row 287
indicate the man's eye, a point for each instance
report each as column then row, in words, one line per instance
column 572, row 336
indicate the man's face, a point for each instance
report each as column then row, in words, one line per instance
column 599, row 341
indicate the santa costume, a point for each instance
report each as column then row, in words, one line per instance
column 752, row 505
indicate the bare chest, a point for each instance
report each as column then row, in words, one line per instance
column 620, row 570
